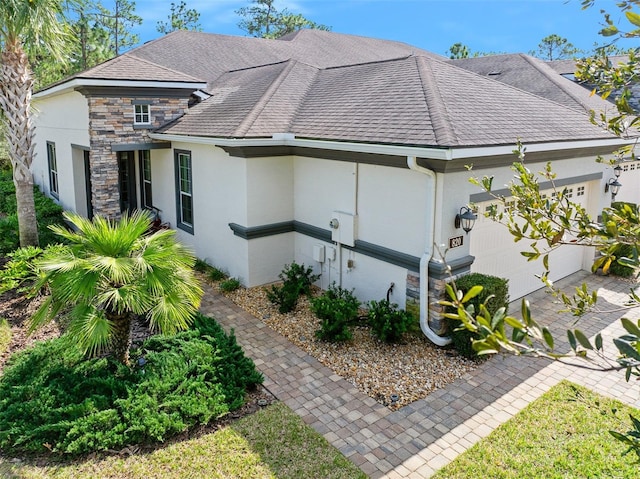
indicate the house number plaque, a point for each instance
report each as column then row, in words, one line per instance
column 455, row 242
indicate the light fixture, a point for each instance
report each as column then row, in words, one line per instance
column 466, row 219
column 613, row 184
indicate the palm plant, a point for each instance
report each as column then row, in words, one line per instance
column 110, row 273
column 36, row 24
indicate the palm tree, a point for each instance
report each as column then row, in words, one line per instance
column 36, row 24
column 110, row 273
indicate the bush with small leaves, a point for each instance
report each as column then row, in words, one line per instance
column 54, row 399
column 494, row 295
column 336, row 308
column 296, row 280
column 388, row 323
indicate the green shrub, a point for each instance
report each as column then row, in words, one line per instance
column 51, row 395
column 229, row 285
column 336, row 308
column 285, row 297
column 47, row 213
column 462, row 338
column 296, row 280
column 216, row 274
column 623, row 251
column 388, row 323
column 201, row 266
column 20, row 269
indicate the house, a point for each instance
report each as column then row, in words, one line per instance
column 345, row 153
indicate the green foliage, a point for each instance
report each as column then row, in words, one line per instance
column 336, row 308
column 51, row 397
column 296, row 280
column 555, row 47
column 229, row 285
column 216, row 274
column 560, row 435
column 47, row 213
column 630, row 438
column 5, row 335
column 388, row 323
column 19, row 268
column 494, row 295
column 213, row 273
column 262, row 19
column 180, row 18
column 112, row 271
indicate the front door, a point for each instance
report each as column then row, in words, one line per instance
column 127, row 181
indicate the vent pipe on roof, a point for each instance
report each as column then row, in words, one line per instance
column 412, row 163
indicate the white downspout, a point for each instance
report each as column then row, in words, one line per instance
column 412, row 163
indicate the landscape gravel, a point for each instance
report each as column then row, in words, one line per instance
column 411, row 370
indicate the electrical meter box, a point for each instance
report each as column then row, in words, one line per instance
column 343, row 228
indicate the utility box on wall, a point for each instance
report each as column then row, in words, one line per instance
column 343, row 228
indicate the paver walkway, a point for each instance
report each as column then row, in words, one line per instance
column 425, row 435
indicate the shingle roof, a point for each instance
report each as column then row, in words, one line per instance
column 325, row 85
column 129, row 67
column 535, row 76
column 207, row 56
column 415, row 100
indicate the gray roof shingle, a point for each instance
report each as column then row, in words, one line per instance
column 325, row 85
column 416, row 100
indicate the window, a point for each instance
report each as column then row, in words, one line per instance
column 580, row 191
column 184, row 190
column 141, row 115
column 53, row 169
column 145, row 179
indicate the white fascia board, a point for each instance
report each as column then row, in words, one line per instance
column 287, row 139
column 80, row 82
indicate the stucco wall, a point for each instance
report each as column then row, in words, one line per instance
column 62, row 119
column 220, row 198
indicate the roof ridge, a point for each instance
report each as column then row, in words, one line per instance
column 440, row 120
column 253, row 67
column 555, row 79
column 250, row 119
column 373, row 62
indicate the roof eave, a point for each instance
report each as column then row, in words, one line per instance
column 442, row 153
column 75, row 83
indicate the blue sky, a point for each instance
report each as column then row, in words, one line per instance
column 434, row 25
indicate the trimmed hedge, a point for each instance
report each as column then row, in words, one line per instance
column 492, row 285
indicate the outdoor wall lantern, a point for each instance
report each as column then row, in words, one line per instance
column 613, row 184
column 466, row 219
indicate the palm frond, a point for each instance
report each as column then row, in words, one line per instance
column 90, row 329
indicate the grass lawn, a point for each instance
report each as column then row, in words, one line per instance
column 564, row 434
column 272, row 443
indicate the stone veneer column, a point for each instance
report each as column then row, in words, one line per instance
column 110, row 123
column 438, row 279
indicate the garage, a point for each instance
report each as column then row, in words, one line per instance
column 497, row 254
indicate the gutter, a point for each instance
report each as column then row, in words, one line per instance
column 412, row 163
column 434, row 153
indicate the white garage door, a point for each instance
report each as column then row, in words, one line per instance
column 498, row 255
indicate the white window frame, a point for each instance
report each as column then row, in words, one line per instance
column 52, row 165
column 184, row 190
column 142, row 114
